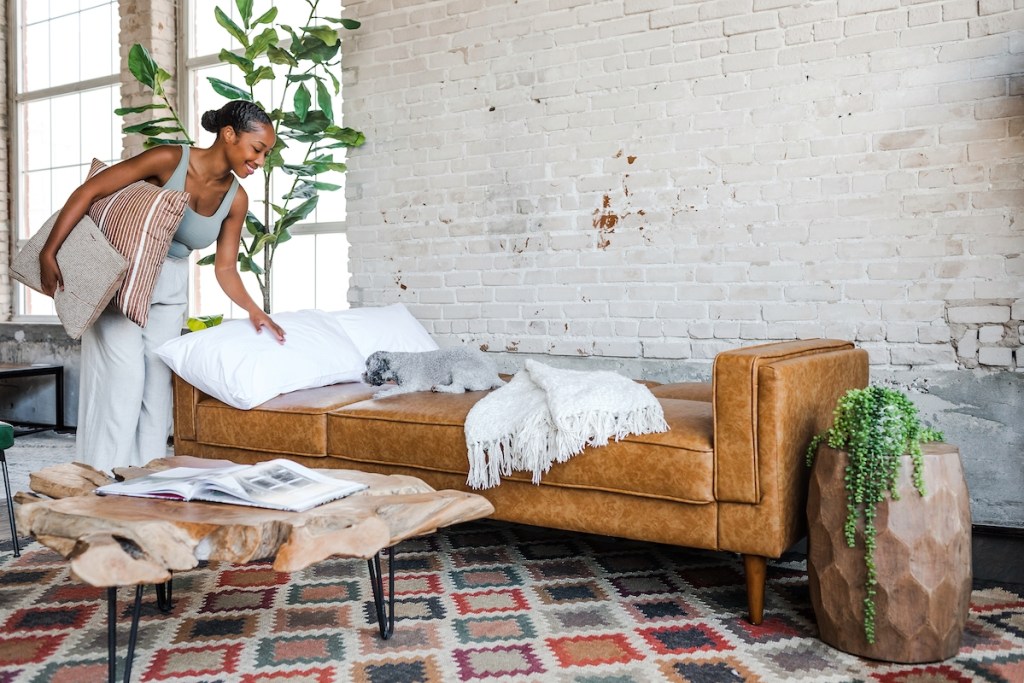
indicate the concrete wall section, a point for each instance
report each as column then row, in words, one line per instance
column 31, row 399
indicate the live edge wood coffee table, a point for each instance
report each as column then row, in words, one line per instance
column 113, row 541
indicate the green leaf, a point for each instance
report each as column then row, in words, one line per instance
column 267, row 16
column 291, row 32
column 325, row 34
column 334, row 79
column 149, row 129
column 202, row 322
column 300, row 211
column 244, row 10
column 121, row 111
column 315, row 50
column 253, row 224
column 142, row 66
column 278, row 55
column 350, row 24
column 229, row 90
column 229, row 57
column 230, row 26
column 264, row 73
column 303, row 190
column 247, row 265
column 323, row 100
column 207, row 260
column 261, row 43
column 349, row 136
column 154, row 142
column 298, row 78
column 262, row 241
column 315, row 122
column 301, row 101
column 283, row 236
column 327, row 187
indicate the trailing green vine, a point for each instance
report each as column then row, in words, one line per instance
column 875, row 426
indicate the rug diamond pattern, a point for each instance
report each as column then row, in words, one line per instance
column 484, row 601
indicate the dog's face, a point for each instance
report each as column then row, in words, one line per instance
column 378, row 369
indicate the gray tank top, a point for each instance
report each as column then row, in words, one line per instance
column 196, row 231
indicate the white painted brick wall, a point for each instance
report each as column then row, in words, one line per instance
column 666, row 179
column 150, row 23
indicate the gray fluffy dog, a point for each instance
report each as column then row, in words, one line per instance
column 451, row 371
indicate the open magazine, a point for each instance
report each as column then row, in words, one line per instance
column 277, row 484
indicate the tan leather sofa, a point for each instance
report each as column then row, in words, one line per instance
column 729, row 475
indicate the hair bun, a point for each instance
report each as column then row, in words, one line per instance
column 209, row 121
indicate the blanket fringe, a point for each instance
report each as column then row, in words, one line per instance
column 547, row 415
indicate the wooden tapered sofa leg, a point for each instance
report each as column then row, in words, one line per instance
column 756, row 568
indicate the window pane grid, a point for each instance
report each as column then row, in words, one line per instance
column 57, row 135
column 311, row 270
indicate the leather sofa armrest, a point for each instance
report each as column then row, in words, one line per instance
column 768, row 401
column 186, row 398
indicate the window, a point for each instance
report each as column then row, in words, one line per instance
column 310, row 271
column 66, row 87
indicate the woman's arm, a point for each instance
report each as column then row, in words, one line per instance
column 155, row 165
column 225, row 266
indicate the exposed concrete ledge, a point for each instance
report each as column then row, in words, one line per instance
column 31, row 399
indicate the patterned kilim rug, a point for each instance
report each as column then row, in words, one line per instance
column 483, row 601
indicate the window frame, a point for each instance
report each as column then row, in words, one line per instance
column 15, row 101
column 186, row 65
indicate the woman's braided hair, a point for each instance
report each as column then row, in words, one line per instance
column 241, row 115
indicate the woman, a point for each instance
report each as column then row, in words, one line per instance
column 125, row 402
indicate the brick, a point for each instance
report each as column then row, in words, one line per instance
column 921, row 137
column 998, row 23
column 996, row 356
column 979, row 314
column 922, row 354
column 758, row 21
column 1017, row 311
column 850, row 7
column 990, row 334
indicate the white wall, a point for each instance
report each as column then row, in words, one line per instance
column 659, row 179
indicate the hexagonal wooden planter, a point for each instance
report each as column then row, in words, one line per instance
column 923, row 560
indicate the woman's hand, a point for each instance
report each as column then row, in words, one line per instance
column 49, row 274
column 260, row 320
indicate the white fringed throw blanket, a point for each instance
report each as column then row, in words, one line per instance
column 546, row 415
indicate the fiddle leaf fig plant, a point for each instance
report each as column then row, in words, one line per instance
column 304, row 61
column 874, row 426
column 150, row 74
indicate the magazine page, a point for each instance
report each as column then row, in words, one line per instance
column 176, row 483
column 278, row 484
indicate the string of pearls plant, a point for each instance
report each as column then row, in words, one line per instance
column 875, row 426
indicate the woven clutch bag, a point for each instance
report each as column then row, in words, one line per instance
column 92, row 271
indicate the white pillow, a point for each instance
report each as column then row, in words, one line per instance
column 234, row 364
column 384, row 328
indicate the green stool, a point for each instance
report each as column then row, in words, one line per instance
column 6, row 441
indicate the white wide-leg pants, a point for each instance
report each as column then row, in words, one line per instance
column 124, row 401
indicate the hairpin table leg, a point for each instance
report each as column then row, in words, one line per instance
column 112, row 634
column 164, row 599
column 385, row 616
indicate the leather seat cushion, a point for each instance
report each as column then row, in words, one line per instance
column 290, row 424
column 691, row 391
column 425, row 431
